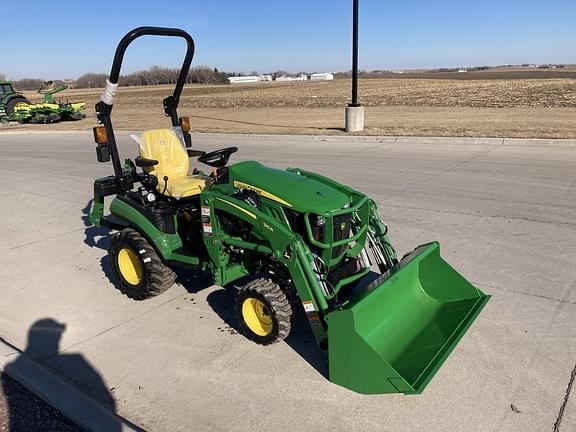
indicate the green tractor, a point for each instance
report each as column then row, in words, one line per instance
column 9, row 100
column 285, row 239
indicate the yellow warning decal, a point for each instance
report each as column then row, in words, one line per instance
column 242, row 185
column 252, row 215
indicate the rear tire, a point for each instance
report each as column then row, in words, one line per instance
column 13, row 102
column 263, row 311
column 139, row 272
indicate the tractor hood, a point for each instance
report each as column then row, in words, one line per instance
column 286, row 188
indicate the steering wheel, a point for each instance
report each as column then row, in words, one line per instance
column 218, row 158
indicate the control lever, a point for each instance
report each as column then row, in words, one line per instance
column 165, row 184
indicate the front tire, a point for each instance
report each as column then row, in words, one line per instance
column 263, row 311
column 139, row 272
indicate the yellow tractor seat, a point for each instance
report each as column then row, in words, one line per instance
column 183, row 187
column 164, row 146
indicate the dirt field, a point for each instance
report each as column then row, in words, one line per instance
column 542, row 105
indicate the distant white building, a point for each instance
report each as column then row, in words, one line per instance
column 266, row 77
column 245, row 79
column 325, row 76
column 285, row 79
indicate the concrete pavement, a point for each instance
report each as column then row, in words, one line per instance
column 503, row 210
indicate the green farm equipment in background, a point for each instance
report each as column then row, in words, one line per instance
column 68, row 110
column 17, row 108
column 50, row 110
column 287, row 240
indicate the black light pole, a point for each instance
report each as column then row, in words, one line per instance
column 354, row 110
column 355, row 54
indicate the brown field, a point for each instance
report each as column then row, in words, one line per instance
column 484, row 104
column 491, row 74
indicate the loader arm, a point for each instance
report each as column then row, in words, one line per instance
column 278, row 243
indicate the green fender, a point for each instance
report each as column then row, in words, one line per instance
column 165, row 244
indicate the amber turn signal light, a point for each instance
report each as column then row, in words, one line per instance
column 100, row 135
column 185, row 124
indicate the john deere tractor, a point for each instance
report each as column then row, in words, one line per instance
column 9, row 100
column 285, row 240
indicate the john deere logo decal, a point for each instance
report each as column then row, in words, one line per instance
column 287, row 255
column 261, row 192
column 342, row 226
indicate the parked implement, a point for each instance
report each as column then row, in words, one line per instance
column 50, row 110
column 288, row 239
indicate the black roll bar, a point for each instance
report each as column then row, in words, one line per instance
column 104, row 107
column 157, row 31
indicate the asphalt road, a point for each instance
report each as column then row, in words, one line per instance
column 503, row 211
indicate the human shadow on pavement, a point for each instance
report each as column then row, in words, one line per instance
column 43, row 347
column 300, row 339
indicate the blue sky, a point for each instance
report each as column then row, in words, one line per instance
column 63, row 39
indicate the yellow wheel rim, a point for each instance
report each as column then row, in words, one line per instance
column 257, row 316
column 130, row 266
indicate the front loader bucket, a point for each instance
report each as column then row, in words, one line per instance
column 394, row 335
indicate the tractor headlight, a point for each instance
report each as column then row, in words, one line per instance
column 318, row 224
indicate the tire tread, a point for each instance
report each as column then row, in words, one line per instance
column 157, row 276
column 279, row 304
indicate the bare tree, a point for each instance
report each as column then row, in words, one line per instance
column 91, row 80
column 28, row 84
column 157, row 75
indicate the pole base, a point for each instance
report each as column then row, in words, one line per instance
column 354, row 118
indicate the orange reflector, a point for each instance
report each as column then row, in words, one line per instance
column 100, row 135
column 185, row 124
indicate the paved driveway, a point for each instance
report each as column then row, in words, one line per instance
column 504, row 212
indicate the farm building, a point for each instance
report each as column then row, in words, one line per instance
column 285, row 79
column 326, row 76
column 245, row 79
